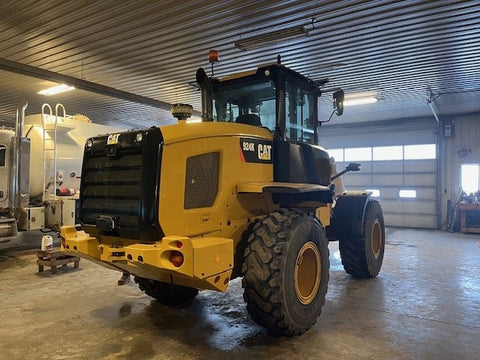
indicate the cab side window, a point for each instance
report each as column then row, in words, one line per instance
column 299, row 114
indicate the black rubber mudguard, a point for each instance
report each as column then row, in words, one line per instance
column 348, row 215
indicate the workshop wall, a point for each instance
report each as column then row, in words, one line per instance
column 460, row 145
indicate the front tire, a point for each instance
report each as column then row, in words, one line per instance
column 166, row 294
column 362, row 257
column 286, row 269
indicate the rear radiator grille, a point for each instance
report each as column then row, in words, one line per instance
column 119, row 187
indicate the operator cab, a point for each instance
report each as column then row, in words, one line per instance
column 283, row 101
column 273, row 96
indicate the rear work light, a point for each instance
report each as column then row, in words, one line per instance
column 176, row 258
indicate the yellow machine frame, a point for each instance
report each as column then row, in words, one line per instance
column 206, row 237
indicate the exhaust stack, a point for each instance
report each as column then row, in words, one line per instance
column 19, row 194
column 206, row 89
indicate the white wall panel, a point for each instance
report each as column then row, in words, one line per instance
column 416, row 131
column 390, row 193
column 387, row 166
column 427, row 194
column 413, row 221
column 388, row 179
column 425, row 179
column 408, row 207
column 420, row 166
column 391, row 176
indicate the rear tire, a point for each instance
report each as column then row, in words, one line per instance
column 166, row 294
column 286, row 268
column 363, row 257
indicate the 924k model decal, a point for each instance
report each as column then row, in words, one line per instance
column 256, row 151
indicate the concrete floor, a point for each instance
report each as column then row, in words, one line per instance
column 425, row 304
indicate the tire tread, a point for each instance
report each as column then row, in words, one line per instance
column 353, row 251
column 262, row 281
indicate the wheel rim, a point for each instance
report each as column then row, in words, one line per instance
column 308, row 268
column 377, row 239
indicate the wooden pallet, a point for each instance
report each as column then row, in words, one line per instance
column 54, row 258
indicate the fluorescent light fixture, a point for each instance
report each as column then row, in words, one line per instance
column 360, row 98
column 272, row 37
column 360, row 101
column 56, row 90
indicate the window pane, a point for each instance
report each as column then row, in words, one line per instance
column 231, row 105
column 337, row 154
column 417, row 152
column 267, row 113
column 387, row 153
column 410, row 194
column 470, row 178
column 358, row 154
column 375, row 192
column 2, row 155
column 299, row 117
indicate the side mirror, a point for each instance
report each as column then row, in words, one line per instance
column 338, row 97
column 354, row 167
column 350, row 167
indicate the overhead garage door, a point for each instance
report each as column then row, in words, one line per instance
column 399, row 163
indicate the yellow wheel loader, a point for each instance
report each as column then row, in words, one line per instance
column 247, row 193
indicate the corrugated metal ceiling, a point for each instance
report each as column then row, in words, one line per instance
column 403, row 50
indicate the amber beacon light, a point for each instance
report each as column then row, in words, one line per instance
column 213, row 56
